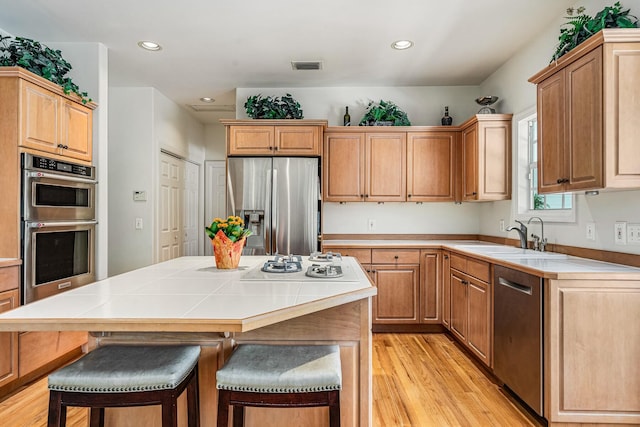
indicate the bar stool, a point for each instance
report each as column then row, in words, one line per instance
column 281, row 376
column 127, row 375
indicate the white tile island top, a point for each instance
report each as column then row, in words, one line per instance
column 189, row 294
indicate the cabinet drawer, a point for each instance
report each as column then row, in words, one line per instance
column 363, row 255
column 391, row 256
column 472, row 267
column 9, row 278
column 39, row 348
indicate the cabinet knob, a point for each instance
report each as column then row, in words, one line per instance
column 408, row 195
column 446, row 257
column 395, row 256
column 562, row 180
column 474, row 193
column 275, row 148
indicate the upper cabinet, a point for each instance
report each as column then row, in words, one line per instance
column 274, row 137
column 587, row 115
column 486, row 157
column 431, row 166
column 48, row 121
column 361, row 166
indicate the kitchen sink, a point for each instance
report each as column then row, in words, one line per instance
column 511, row 252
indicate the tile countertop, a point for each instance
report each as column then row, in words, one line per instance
column 543, row 264
column 189, row 294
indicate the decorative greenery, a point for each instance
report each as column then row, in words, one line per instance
column 581, row 26
column 39, row 59
column 539, row 202
column 273, row 107
column 384, row 111
column 232, row 227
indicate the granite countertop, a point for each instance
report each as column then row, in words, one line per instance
column 544, row 264
column 189, row 294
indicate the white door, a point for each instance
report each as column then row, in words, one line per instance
column 190, row 224
column 215, row 195
column 171, row 202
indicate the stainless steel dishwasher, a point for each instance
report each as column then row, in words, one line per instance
column 518, row 329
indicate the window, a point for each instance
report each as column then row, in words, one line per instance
column 550, row 207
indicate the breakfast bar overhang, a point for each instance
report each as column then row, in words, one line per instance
column 188, row 300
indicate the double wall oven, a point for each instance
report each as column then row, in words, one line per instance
column 58, row 226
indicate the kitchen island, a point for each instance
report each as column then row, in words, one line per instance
column 188, row 300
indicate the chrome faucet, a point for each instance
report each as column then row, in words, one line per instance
column 539, row 242
column 522, row 231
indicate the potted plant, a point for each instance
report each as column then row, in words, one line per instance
column 384, row 113
column 582, row 26
column 228, row 238
column 259, row 107
column 39, row 59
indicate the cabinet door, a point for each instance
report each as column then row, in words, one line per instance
column 8, row 341
column 297, row 140
column 431, row 158
column 458, row 305
column 430, row 287
column 344, row 157
column 494, row 160
column 250, row 140
column 584, row 127
column 40, row 118
column 446, row 290
column 397, row 298
column 470, row 163
column 478, row 327
column 386, row 167
column 76, row 126
column 551, row 134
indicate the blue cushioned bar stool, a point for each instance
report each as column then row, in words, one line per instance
column 127, row 375
column 279, row 376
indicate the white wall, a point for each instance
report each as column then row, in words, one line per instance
column 424, row 105
column 214, row 135
column 603, row 210
column 142, row 122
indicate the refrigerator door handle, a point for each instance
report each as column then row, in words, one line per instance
column 268, row 215
column 274, row 211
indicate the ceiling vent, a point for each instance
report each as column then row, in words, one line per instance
column 306, row 65
column 212, row 108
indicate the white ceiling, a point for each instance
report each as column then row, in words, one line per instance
column 210, row 47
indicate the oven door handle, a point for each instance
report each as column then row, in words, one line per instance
column 32, row 174
column 41, row 224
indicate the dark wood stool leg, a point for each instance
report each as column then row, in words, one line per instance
column 55, row 409
column 334, row 409
column 238, row 416
column 170, row 410
column 96, row 417
column 193, row 401
column 223, row 408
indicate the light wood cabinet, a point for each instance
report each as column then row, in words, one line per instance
column 446, row 289
column 53, row 124
column 274, row 137
column 361, row 166
column 431, row 166
column 587, row 110
column 471, row 305
column 9, row 299
column 431, row 286
column 396, row 274
column 486, row 157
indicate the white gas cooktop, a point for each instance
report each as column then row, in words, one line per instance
column 348, row 273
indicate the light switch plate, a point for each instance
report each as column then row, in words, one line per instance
column 591, row 231
column 633, row 234
column 620, row 233
column 139, row 196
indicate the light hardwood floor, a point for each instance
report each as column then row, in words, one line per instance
column 419, row 380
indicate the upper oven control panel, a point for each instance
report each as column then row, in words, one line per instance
column 39, row 163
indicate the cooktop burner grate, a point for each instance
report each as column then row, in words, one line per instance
column 325, row 257
column 283, row 264
column 327, row 271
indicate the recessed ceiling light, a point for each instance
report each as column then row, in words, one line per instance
column 147, row 45
column 207, row 99
column 402, row 44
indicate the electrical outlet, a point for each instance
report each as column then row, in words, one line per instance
column 371, row 223
column 502, row 227
column 633, row 234
column 591, row 231
column 620, row 233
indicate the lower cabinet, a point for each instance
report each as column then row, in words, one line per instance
column 8, row 341
column 470, row 294
column 397, row 299
column 430, row 286
column 446, row 289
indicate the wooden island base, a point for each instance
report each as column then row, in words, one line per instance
column 347, row 325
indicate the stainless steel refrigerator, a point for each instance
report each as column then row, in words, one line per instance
column 278, row 198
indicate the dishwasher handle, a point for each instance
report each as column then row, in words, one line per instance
column 515, row 286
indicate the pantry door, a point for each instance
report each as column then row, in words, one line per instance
column 170, row 207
